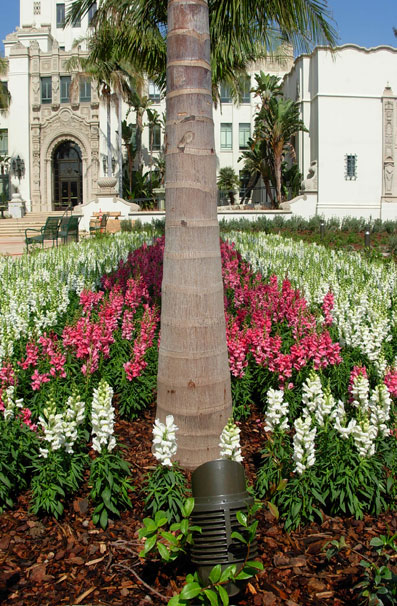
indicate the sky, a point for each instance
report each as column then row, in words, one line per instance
column 363, row 22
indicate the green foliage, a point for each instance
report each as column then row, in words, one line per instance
column 228, row 182
column 168, row 541
column 110, row 485
column 165, row 489
column 340, row 481
column 242, row 395
column 18, row 446
column 379, row 583
column 55, row 478
column 214, row 591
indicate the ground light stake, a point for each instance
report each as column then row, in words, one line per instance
column 219, row 492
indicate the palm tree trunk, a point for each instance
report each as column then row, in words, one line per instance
column 193, row 375
column 108, row 136
column 277, row 171
column 138, row 140
column 120, row 146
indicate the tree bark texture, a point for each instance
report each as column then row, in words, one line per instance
column 193, row 376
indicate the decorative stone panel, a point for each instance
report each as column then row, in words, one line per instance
column 389, row 181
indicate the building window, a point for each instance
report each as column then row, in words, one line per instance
column 246, row 90
column 225, row 94
column 46, row 90
column 76, row 22
column 226, row 136
column 60, row 15
column 91, row 12
column 155, row 136
column 37, row 8
column 85, row 90
column 154, row 92
column 65, row 89
column 3, row 142
column 244, row 133
column 351, row 167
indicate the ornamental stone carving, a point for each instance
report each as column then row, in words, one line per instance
column 310, row 183
column 389, row 181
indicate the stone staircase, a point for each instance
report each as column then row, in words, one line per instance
column 16, row 227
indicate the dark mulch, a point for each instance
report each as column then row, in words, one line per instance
column 47, row 562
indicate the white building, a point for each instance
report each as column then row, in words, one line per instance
column 59, row 129
column 348, row 101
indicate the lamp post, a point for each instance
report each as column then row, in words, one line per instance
column 322, row 229
column 18, row 166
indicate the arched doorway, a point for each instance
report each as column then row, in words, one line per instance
column 67, row 171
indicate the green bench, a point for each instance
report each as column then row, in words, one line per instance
column 49, row 231
column 69, row 228
column 98, row 225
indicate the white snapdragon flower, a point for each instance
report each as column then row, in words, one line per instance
column 364, row 435
column 164, row 440
column 360, row 389
column 230, row 442
column 74, row 417
column 303, row 441
column 318, row 402
column 51, row 424
column 340, row 418
column 379, row 406
column 60, row 429
column 10, row 403
column 276, row 417
column 102, row 418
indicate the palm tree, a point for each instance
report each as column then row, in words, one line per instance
column 257, row 163
column 276, row 124
column 5, row 96
column 193, row 375
column 228, row 182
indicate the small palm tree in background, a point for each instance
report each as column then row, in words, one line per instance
column 5, row 96
column 228, row 182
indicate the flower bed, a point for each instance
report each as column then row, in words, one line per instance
column 312, row 355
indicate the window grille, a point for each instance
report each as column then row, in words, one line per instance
column 351, row 167
column 155, row 136
column 246, row 92
column 225, row 94
column 154, row 92
column 65, row 89
column 3, row 142
column 226, row 136
column 91, row 12
column 244, row 133
column 85, row 90
column 46, row 89
column 37, row 8
column 60, row 15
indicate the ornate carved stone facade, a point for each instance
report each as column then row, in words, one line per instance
column 389, row 191
column 56, row 122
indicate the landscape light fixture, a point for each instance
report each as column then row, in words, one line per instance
column 367, row 238
column 219, row 492
column 18, row 166
column 322, row 229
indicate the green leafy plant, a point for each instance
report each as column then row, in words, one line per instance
column 171, row 543
column 379, row 585
column 214, row 592
column 165, row 490
column 110, row 485
column 18, row 446
column 56, row 477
